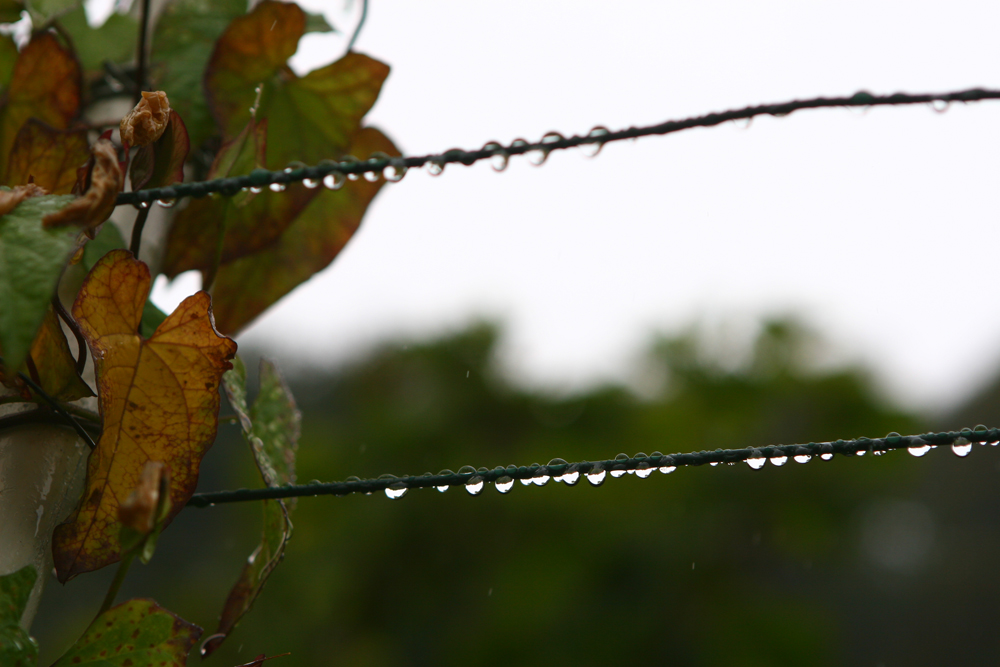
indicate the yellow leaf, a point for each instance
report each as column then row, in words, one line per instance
column 159, row 399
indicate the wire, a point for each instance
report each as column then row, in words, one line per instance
column 596, row 471
column 260, row 178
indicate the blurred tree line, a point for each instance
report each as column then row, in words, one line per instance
column 883, row 560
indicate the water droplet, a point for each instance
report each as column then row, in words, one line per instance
column 756, row 462
column 395, row 170
column 504, row 484
column 334, row 180
column 396, row 491
column 435, row 167
column 256, row 189
column 541, row 481
column 779, row 460
column 919, row 451
column 713, row 463
column 644, row 471
column 166, row 203
column 372, row 176
column 276, row 187
column 310, row 183
column 860, row 452
column 621, row 457
column 940, row 106
column 142, row 205
column 443, row 488
column 466, row 470
column 443, row 473
column 538, row 156
column 961, row 447
column 597, row 476
column 557, row 462
column 617, row 473
column 475, row 485
column 350, row 160
column 499, row 157
column 571, row 478
column 591, row 150
column 743, row 123
column 826, row 456
column 802, row 458
column 666, row 470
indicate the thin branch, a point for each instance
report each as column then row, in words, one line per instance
column 140, row 70
column 552, row 142
column 43, row 416
column 596, row 471
column 361, row 23
column 81, row 343
column 140, row 222
column 59, row 409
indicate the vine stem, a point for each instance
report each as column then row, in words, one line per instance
column 140, row 222
column 116, row 583
column 361, row 23
column 81, row 343
column 140, row 71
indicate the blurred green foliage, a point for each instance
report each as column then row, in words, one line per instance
column 705, row 566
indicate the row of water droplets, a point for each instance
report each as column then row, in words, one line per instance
column 570, row 474
column 647, row 465
column 396, row 168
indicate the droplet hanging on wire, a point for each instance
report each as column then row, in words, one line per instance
column 334, row 180
column 350, row 161
column 475, row 485
column 499, row 157
column 961, row 447
column 395, row 170
column 504, row 484
column 592, row 149
column 396, row 491
column 596, row 476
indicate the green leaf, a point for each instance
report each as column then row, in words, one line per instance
column 113, row 41
column 310, row 118
column 45, row 9
column 108, row 239
column 17, row 648
column 8, row 58
column 272, row 429
column 135, row 633
column 318, row 23
column 15, row 589
column 183, row 41
column 10, row 10
column 31, row 261
column 245, row 288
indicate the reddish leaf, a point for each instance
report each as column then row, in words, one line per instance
column 45, row 85
column 48, row 157
column 159, row 400
column 246, row 287
column 210, row 231
column 161, row 163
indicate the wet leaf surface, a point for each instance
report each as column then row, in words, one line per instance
column 272, row 428
column 137, row 633
column 17, row 648
column 49, row 156
column 158, row 397
column 31, row 260
column 246, row 287
column 45, row 84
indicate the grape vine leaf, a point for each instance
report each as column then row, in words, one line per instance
column 183, row 40
column 114, row 40
column 271, row 428
column 55, row 364
column 158, row 397
column 45, row 84
column 246, row 287
column 136, row 633
column 213, row 231
column 310, row 118
column 108, row 239
column 31, row 260
column 47, row 156
column 17, row 648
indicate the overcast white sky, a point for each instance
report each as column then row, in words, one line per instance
column 879, row 228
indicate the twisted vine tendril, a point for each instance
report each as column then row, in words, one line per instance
column 596, row 471
column 394, row 168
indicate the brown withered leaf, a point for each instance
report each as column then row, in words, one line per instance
column 146, row 123
column 138, row 511
column 159, row 400
column 243, row 289
column 47, row 157
column 162, row 162
column 45, row 85
column 9, row 199
column 97, row 203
